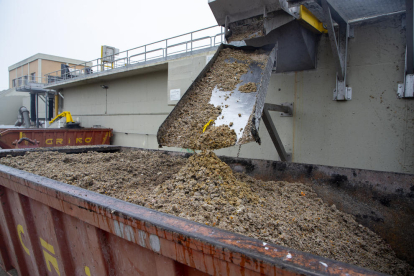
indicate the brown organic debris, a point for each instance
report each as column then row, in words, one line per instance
column 248, row 87
column 249, row 28
column 205, row 190
column 185, row 130
column 216, row 138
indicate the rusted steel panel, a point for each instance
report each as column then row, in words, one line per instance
column 79, row 232
column 55, row 137
column 8, row 256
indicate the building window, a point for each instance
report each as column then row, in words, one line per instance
column 33, row 77
column 14, row 83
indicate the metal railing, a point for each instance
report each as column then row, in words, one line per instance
column 26, row 80
column 160, row 50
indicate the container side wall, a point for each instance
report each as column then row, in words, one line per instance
column 66, row 230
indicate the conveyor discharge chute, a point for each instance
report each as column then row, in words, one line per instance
column 224, row 105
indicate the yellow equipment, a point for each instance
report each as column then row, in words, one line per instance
column 307, row 17
column 61, row 115
column 69, row 121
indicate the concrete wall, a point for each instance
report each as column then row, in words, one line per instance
column 25, row 70
column 134, row 107
column 9, row 106
column 10, row 103
column 373, row 131
column 183, row 72
column 12, row 76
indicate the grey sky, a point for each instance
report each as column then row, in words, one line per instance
column 77, row 29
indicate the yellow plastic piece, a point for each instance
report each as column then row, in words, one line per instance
column 61, row 115
column 209, row 122
column 306, row 16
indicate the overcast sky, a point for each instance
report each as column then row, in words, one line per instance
column 77, row 28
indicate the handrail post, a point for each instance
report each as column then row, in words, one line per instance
column 166, row 48
column 191, row 42
column 145, row 53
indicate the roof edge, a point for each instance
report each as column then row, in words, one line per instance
column 46, row 57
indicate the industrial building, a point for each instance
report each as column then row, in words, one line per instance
column 308, row 105
column 23, row 74
column 373, row 131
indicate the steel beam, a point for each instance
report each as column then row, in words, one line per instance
column 339, row 49
column 410, row 36
column 272, row 129
column 406, row 89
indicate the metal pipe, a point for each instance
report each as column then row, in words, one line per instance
column 46, row 102
column 362, row 19
column 25, row 116
column 50, row 115
column 33, row 107
column 56, row 105
column 410, row 37
column 166, row 48
column 37, row 110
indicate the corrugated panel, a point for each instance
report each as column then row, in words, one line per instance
column 355, row 9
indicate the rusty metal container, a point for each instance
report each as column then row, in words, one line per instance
column 51, row 228
column 53, row 137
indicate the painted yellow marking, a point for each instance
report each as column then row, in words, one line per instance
column 47, row 246
column 104, row 139
column 20, row 135
column 49, row 141
column 88, row 140
column 87, row 271
column 69, row 141
column 59, row 141
column 308, row 17
column 49, row 259
column 78, row 140
column 206, row 125
column 20, row 231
